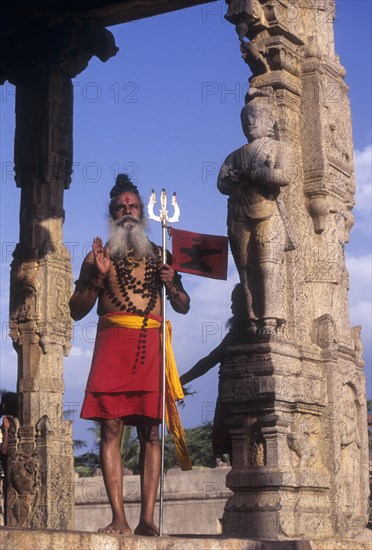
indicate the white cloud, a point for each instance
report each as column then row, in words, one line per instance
column 77, row 351
column 360, row 314
column 363, row 176
column 360, row 271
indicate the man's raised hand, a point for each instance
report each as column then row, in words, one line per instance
column 101, row 256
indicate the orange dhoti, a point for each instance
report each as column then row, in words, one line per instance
column 125, row 378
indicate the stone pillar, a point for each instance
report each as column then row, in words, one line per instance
column 295, row 396
column 40, row 459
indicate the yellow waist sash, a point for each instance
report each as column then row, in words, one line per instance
column 173, row 388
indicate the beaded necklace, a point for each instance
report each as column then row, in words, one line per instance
column 148, row 288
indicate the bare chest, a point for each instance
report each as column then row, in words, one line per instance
column 132, row 287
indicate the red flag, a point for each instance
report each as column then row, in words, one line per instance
column 199, row 254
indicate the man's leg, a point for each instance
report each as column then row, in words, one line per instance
column 150, row 456
column 112, row 470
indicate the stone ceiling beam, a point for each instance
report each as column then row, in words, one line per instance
column 107, row 12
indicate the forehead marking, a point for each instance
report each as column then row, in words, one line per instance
column 127, row 198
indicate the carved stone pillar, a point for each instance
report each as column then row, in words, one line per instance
column 295, row 397
column 41, row 64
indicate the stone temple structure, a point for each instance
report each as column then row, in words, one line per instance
column 293, row 388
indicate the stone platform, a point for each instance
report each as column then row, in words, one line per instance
column 37, row 539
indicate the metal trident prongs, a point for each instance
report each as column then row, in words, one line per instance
column 164, row 219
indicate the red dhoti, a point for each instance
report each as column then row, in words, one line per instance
column 125, row 376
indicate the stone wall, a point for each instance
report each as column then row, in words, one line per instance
column 193, row 501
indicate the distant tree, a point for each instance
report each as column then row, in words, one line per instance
column 130, row 449
column 86, row 464
column 78, row 444
column 96, row 429
column 170, row 455
column 199, row 443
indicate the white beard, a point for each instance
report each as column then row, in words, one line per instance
column 129, row 237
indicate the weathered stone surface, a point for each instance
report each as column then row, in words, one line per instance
column 294, row 390
column 40, row 58
column 13, row 539
column 40, row 458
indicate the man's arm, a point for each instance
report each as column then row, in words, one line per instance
column 204, row 365
column 176, row 294
column 91, row 279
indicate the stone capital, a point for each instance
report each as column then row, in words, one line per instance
column 65, row 47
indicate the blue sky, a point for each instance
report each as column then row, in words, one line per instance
column 166, row 110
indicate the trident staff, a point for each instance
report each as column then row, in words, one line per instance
column 164, row 219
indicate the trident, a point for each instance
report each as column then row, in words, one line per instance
column 164, row 219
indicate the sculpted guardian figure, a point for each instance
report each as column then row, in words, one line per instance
column 258, row 230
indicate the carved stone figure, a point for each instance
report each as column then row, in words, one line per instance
column 357, row 341
column 303, row 440
column 257, row 226
column 24, row 481
column 249, row 18
column 350, row 457
column 324, row 331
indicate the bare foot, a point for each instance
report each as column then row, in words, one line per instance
column 117, row 527
column 146, row 529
